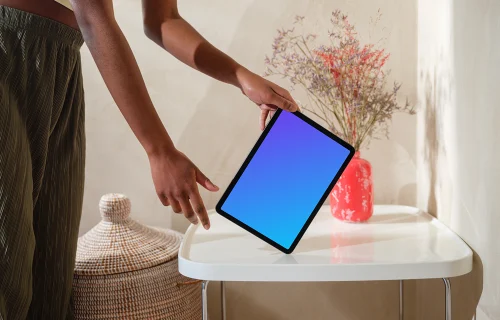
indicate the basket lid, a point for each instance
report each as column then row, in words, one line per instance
column 119, row 244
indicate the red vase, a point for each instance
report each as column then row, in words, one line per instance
column 352, row 197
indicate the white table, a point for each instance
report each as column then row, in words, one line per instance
column 397, row 243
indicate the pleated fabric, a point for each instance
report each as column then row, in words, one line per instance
column 42, row 158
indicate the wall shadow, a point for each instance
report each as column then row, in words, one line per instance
column 432, row 147
column 447, row 110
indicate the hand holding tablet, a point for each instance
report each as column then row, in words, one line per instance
column 285, row 179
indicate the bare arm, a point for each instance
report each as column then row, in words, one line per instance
column 174, row 175
column 164, row 25
column 118, row 67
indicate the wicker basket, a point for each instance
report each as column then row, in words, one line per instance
column 125, row 270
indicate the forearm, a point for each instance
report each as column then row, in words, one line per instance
column 181, row 40
column 118, row 67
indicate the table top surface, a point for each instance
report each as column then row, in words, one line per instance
column 398, row 242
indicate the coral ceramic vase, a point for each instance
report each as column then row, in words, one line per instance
column 352, row 197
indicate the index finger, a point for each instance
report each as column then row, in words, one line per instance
column 199, row 207
column 283, row 103
column 263, row 118
column 285, row 94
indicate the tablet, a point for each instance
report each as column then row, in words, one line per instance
column 285, row 179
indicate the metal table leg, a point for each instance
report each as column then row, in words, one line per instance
column 204, row 299
column 447, row 286
column 223, row 300
column 401, row 297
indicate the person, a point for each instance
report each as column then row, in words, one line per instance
column 42, row 137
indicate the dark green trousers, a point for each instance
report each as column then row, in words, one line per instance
column 42, row 155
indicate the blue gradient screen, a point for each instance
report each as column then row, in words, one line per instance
column 285, row 180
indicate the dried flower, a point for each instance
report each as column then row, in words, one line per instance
column 345, row 80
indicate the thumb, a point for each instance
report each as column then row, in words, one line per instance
column 205, row 182
column 283, row 103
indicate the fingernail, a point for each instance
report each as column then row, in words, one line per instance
column 206, row 226
column 213, row 185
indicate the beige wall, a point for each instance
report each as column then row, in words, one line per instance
column 459, row 142
column 216, row 126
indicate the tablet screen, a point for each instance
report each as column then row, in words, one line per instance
column 285, row 179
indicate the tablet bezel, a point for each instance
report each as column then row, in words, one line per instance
column 218, row 207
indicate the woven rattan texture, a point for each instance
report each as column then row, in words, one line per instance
column 125, row 270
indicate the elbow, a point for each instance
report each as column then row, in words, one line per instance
column 93, row 19
column 152, row 30
column 88, row 12
column 85, row 20
column 153, row 25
